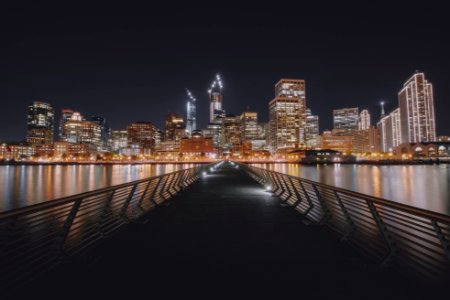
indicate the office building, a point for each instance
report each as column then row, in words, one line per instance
column 66, row 115
column 215, row 100
column 287, row 115
column 141, row 135
column 345, row 120
column 40, row 120
column 416, row 105
column 78, row 131
column 312, row 130
column 119, row 140
column 191, row 114
column 390, row 132
column 249, row 126
column 175, row 128
column 105, row 131
column 364, row 120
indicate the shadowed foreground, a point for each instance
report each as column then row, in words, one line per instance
column 224, row 237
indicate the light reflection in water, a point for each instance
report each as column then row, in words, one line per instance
column 423, row 186
column 26, row 185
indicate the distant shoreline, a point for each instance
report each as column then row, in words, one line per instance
column 367, row 162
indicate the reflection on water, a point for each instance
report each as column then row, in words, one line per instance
column 26, row 185
column 423, row 186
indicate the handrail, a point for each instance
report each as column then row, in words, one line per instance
column 36, row 238
column 397, row 235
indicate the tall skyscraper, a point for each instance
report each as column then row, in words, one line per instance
column 390, row 133
column 105, row 131
column 191, row 114
column 40, row 120
column 287, row 115
column 215, row 99
column 416, row 105
column 249, row 126
column 364, row 120
column 312, row 130
column 66, row 115
column 175, row 128
column 231, row 132
column 345, row 120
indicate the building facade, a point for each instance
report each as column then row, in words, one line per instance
column 345, row 120
column 141, row 136
column 364, row 120
column 390, row 131
column 119, row 140
column 40, row 121
column 312, row 130
column 417, row 114
column 249, row 126
column 191, row 114
column 175, row 128
column 287, row 115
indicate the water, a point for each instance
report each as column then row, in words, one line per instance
column 26, row 185
column 423, row 186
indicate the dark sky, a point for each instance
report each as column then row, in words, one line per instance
column 132, row 64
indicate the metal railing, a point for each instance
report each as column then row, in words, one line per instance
column 397, row 235
column 36, row 238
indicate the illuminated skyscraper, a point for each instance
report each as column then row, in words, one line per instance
column 312, row 130
column 40, row 120
column 416, row 105
column 215, row 98
column 345, row 120
column 364, row 120
column 105, row 131
column 249, row 126
column 231, row 132
column 66, row 115
column 287, row 115
column 390, row 133
column 78, row 131
column 191, row 114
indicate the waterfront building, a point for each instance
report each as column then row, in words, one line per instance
column 424, row 150
column 345, row 120
column 311, row 130
column 40, row 120
column 287, row 112
column 196, row 146
column 364, row 120
column 16, row 151
column 213, row 131
column 416, row 104
column 342, row 143
column 390, row 133
column 141, row 135
column 78, row 131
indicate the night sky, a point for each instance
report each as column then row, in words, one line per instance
column 134, row 64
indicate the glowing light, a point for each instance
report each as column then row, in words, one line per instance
column 204, row 174
column 268, row 188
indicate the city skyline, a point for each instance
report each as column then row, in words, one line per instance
column 125, row 68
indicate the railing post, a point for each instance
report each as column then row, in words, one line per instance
column 106, row 209
column 308, row 199
column 347, row 217
column 161, row 191
column 152, row 195
column 326, row 210
column 144, row 193
column 445, row 244
column 68, row 223
column 123, row 211
column 387, row 237
column 297, row 194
